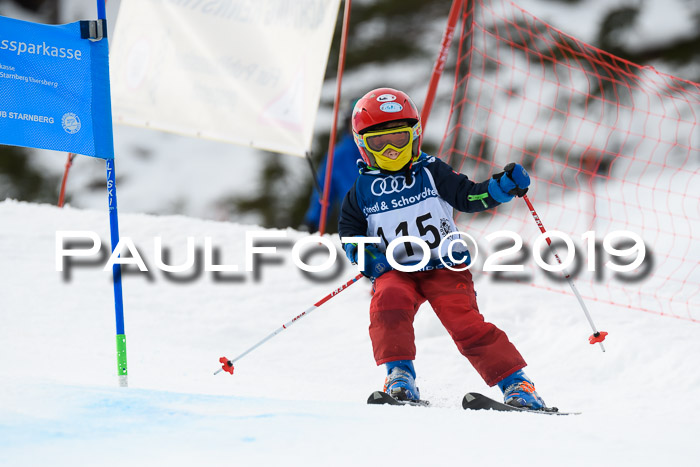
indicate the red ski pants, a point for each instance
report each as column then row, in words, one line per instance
column 396, row 300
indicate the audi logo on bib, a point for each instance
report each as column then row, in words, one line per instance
column 390, row 184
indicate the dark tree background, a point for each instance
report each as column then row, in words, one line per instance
column 383, row 35
column 282, row 199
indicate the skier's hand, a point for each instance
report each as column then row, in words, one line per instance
column 376, row 263
column 513, row 181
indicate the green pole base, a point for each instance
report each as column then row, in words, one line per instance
column 121, row 360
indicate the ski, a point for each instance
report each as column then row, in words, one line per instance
column 380, row 397
column 476, row 401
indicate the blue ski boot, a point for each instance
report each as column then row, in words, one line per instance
column 400, row 382
column 519, row 391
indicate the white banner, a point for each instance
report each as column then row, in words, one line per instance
column 242, row 71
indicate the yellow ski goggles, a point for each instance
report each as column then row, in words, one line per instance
column 399, row 139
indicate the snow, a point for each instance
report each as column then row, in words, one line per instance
column 300, row 398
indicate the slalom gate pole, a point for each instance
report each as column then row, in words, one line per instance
column 441, row 60
column 334, row 128
column 117, row 276
column 228, row 364
column 597, row 337
column 114, row 237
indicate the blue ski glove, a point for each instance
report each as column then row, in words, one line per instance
column 376, row 263
column 512, row 182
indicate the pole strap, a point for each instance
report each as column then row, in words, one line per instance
column 314, row 177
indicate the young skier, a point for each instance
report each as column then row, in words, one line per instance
column 402, row 191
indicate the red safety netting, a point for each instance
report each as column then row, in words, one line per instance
column 610, row 146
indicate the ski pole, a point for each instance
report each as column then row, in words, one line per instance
column 598, row 337
column 228, row 364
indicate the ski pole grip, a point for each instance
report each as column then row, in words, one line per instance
column 517, row 191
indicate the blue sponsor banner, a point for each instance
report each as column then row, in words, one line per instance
column 54, row 88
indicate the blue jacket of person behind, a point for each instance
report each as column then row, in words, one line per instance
column 345, row 172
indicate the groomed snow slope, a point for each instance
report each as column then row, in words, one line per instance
column 300, row 399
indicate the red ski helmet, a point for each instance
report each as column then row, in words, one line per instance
column 383, row 105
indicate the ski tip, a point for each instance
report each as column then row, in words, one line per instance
column 476, row 401
column 468, row 398
column 473, row 401
column 380, row 397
